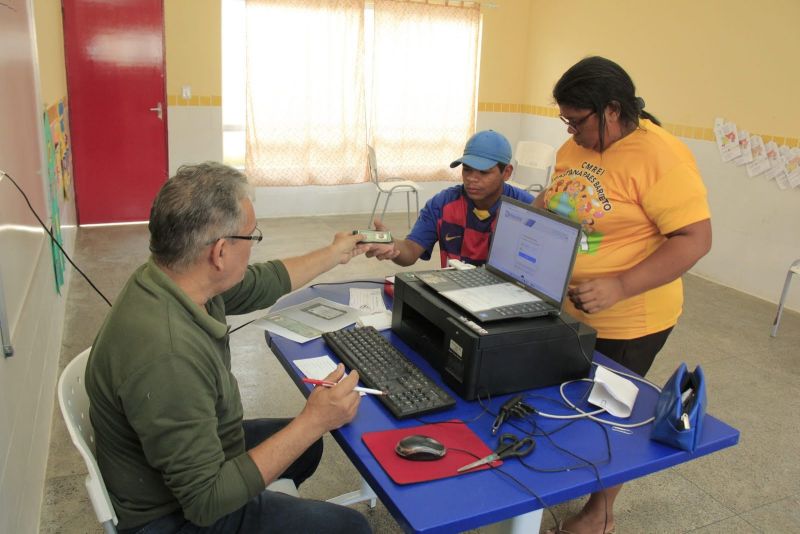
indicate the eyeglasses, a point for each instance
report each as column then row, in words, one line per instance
column 575, row 124
column 256, row 236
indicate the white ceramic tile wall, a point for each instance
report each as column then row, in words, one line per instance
column 194, row 136
column 28, row 381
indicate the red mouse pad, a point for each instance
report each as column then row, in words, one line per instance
column 454, row 434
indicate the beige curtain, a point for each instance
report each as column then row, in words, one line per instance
column 306, row 121
column 424, row 85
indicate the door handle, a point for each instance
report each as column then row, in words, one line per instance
column 159, row 111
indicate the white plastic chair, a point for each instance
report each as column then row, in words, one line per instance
column 389, row 186
column 74, row 404
column 533, row 158
column 794, row 269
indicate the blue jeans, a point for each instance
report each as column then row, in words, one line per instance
column 270, row 511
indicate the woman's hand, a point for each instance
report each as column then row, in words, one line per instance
column 597, row 294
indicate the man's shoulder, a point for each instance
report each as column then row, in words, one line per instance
column 516, row 193
column 144, row 323
column 446, row 196
column 449, row 194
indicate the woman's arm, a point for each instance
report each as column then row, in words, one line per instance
column 674, row 257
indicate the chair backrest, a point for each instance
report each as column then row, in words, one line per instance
column 373, row 164
column 534, row 155
column 74, row 403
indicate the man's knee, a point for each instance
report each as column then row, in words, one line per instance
column 335, row 519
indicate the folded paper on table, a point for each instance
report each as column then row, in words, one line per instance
column 452, row 434
column 613, row 393
column 379, row 321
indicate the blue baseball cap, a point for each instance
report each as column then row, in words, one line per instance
column 484, row 150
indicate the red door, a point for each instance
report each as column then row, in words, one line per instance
column 117, row 106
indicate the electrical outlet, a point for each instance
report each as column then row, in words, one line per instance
column 186, row 92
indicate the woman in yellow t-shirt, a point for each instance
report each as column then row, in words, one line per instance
column 636, row 191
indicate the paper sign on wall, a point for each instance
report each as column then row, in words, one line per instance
column 776, row 166
column 791, row 162
column 727, row 139
column 760, row 163
column 744, row 145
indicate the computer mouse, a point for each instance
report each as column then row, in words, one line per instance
column 418, row 447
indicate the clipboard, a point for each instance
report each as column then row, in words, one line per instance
column 459, row 439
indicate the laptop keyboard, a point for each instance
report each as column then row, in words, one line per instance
column 381, row 366
column 516, row 310
column 473, row 278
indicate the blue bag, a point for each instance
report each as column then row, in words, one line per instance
column 681, row 409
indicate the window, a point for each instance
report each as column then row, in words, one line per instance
column 322, row 82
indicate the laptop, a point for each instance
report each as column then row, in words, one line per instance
column 529, row 267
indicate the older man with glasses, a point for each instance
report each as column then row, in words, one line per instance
column 172, row 445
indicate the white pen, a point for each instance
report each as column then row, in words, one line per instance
column 323, row 383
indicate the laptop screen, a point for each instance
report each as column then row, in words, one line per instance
column 534, row 247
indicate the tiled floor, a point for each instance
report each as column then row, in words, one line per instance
column 753, row 385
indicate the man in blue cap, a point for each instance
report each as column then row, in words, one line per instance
column 461, row 218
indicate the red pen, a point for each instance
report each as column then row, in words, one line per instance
column 327, row 384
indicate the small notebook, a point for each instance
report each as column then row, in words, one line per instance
column 454, row 434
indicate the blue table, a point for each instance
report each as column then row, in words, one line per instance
column 477, row 499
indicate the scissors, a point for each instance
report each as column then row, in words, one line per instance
column 507, row 445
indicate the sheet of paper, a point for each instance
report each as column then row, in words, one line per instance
column 727, row 139
column 288, row 328
column 792, row 159
column 744, row 144
column 615, row 394
column 380, row 321
column 777, row 169
column 308, row 320
column 760, row 163
column 367, row 301
column 318, row 367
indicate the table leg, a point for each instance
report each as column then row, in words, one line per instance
column 521, row 524
column 364, row 494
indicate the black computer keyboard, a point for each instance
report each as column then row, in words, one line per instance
column 381, row 366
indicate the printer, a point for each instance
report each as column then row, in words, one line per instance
column 482, row 359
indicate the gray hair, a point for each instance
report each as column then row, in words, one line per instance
column 198, row 205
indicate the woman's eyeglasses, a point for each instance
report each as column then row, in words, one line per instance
column 575, row 124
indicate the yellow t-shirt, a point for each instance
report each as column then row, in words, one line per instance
column 627, row 199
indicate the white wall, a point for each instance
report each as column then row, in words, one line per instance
column 194, row 135
column 333, row 200
column 28, row 378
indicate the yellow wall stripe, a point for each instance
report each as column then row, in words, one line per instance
column 195, row 100
column 681, row 130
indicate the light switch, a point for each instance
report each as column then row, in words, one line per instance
column 186, row 92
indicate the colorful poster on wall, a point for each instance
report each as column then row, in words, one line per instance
column 59, row 178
